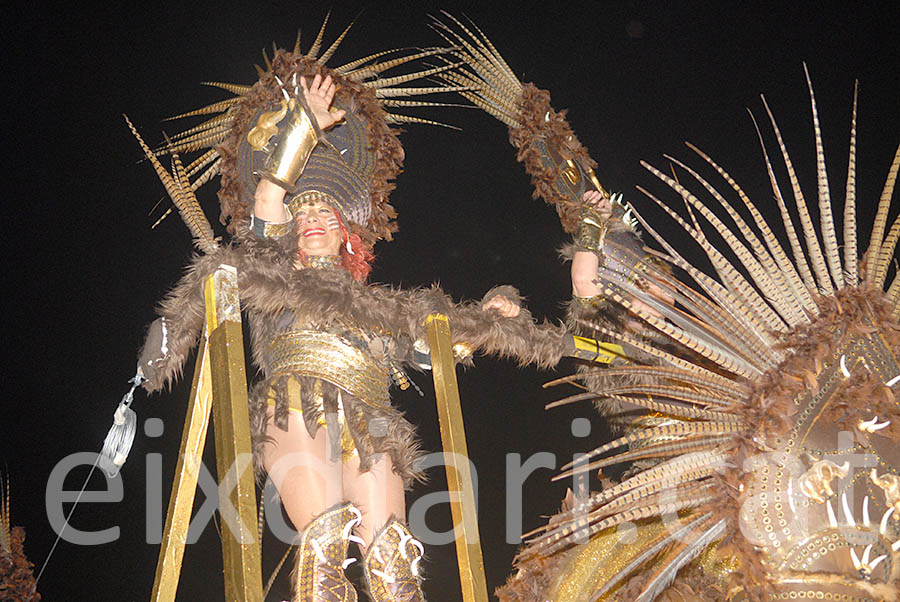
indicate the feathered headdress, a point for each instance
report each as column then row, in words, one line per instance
column 359, row 162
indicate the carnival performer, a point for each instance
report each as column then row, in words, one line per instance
column 764, row 458
column 310, row 152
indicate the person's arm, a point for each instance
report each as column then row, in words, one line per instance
column 497, row 325
column 586, row 261
column 268, row 200
column 504, row 306
column 590, row 258
column 175, row 332
column 584, row 275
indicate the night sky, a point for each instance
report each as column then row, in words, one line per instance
column 86, row 269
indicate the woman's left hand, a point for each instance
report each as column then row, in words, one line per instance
column 504, row 306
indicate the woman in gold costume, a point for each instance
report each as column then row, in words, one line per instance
column 305, row 169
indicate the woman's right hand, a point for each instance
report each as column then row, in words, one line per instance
column 319, row 96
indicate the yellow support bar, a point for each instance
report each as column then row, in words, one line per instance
column 456, row 461
column 234, row 453
column 596, row 351
column 181, row 500
column 219, row 385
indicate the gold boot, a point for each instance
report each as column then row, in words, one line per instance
column 391, row 565
column 319, row 572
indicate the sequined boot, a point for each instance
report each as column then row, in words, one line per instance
column 319, row 571
column 391, row 565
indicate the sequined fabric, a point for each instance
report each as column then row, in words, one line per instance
column 319, row 573
column 391, row 565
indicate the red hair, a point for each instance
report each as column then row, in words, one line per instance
column 359, row 263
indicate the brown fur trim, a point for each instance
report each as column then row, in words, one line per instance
column 850, row 312
column 235, row 210
column 16, row 572
column 539, row 121
column 846, row 410
column 270, row 287
column 769, row 406
column 767, row 410
column 532, row 580
column 374, row 430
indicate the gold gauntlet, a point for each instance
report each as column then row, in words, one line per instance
column 587, row 302
column 591, row 231
column 293, row 144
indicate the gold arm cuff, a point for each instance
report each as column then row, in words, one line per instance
column 293, row 146
column 590, row 238
column 279, row 229
column 587, row 301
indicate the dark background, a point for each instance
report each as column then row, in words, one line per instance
column 86, row 270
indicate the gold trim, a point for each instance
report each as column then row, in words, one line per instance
column 219, row 386
column 241, row 554
column 596, row 351
column 293, row 147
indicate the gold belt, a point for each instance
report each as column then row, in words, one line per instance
column 330, row 357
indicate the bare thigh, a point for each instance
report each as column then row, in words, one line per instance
column 306, row 479
column 378, row 493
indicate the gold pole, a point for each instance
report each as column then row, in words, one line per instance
column 234, row 454
column 181, row 500
column 456, row 461
column 218, row 375
column 594, row 350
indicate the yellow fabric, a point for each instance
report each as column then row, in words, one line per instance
column 348, row 446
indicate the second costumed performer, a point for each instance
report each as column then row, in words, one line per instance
column 309, row 151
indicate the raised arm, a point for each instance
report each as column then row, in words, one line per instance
column 586, row 261
column 296, row 138
column 607, row 246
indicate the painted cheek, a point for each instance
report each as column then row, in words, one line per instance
column 332, row 223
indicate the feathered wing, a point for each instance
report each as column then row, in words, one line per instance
column 560, row 167
column 746, row 379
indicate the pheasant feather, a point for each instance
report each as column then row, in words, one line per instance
column 334, row 45
column 809, row 231
column 829, row 238
column 851, row 269
column 184, row 200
